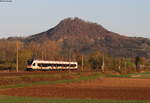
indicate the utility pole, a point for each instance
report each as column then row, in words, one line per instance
column 125, row 65
column 103, row 63
column 119, row 65
column 17, row 46
column 69, row 59
column 82, row 64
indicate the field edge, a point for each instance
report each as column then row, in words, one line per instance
column 15, row 99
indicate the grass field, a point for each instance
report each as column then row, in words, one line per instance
column 61, row 78
column 4, row 99
column 142, row 75
column 80, row 78
column 44, row 79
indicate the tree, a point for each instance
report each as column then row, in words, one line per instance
column 137, row 63
column 24, row 55
column 96, row 60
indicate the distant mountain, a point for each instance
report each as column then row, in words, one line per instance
column 86, row 37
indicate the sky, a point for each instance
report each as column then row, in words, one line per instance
column 28, row 17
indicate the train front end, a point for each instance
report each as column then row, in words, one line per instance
column 29, row 65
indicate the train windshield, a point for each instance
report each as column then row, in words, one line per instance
column 29, row 62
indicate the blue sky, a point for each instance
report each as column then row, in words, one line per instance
column 27, row 17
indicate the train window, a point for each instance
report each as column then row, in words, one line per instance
column 66, row 65
column 44, row 65
column 34, row 64
column 50, row 64
column 63, row 65
column 40, row 65
column 59, row 65
column 55, row 65
column 73, row 65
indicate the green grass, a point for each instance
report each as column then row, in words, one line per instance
column 131, row 75
column 120, row 76
column 48, row 100
column 81, row 78
column 14, row 99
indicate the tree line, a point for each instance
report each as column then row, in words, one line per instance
column 52, row 50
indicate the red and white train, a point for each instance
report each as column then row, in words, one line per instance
column 43, row 65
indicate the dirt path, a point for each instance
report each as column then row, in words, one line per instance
column 103, row 88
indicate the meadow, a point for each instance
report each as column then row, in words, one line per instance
column 74, row 87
